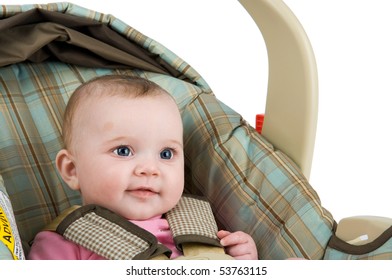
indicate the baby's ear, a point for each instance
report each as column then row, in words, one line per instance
column 66, row 166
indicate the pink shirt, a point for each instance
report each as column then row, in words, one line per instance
column 50, row 245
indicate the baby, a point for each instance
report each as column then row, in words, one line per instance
column 123, row 140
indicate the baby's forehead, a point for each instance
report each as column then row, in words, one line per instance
column 101, row 94
column 89, row 100
column 101, row 90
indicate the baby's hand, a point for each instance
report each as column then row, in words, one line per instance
column 239, row 245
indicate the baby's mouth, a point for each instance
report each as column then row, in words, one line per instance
column 142, row 192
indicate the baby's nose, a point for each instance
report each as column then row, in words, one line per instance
column 147, row 167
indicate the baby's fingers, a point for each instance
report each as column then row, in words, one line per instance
column 229, row 239
column 222, row 234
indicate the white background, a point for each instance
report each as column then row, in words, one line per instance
column 305, row 270
column 351, row 41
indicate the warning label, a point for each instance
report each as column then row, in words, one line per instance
column 8, row 231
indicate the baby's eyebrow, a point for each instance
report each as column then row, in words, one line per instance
column 176, row 142
column 117, row 140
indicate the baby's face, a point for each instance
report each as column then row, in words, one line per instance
column 128, row 154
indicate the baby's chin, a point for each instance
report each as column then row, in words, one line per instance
column 141, row 216
column 144, row 217
column 147, row 212
column 142, row 212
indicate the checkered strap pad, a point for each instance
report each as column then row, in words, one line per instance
column 109, row 235
column 192, row 221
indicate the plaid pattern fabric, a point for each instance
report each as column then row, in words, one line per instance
column 31, row 107
column 105, row 238
column 251, row 186
column 191, row 220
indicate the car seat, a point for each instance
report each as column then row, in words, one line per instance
column 255, row 183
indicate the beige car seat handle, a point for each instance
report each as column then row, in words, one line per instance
column 292, row 100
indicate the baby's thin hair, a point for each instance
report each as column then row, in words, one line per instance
column 108, row 85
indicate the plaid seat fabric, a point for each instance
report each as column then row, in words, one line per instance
column 251, row 186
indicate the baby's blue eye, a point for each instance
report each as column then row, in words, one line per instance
column 123, row 151
column 166, row 154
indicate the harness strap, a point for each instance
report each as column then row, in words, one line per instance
column 113, row 237
column 192, row 221
column 109, row 235
column 194, row 229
